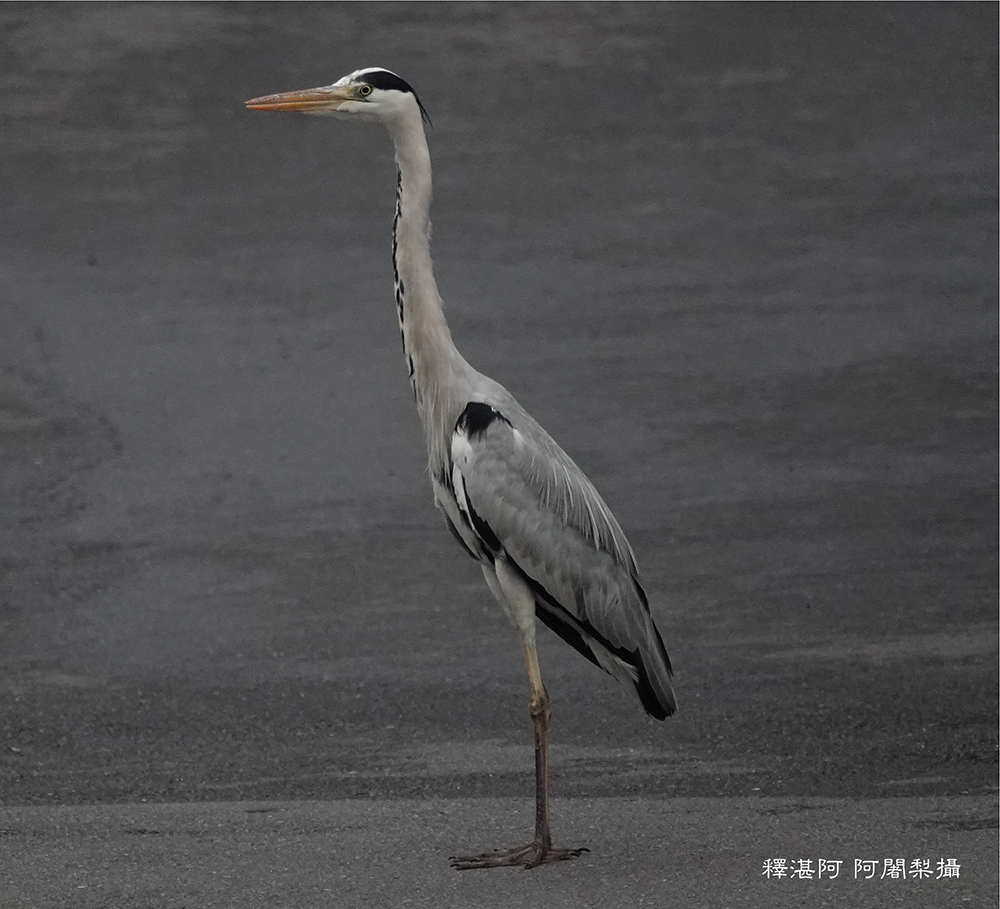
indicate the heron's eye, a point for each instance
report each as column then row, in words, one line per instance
column 365, row 90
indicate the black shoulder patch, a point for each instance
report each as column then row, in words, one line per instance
column 477, row 417
column 383, row 79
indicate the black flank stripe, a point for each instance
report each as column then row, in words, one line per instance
column 567, row 632
column 458, row 536
column 483, row 529
column 556, row 617
column 552, row 617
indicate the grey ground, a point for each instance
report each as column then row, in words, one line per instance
column 739, row 259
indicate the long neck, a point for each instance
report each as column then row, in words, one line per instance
column 434, row 364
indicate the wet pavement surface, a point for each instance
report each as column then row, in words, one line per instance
column 739, row 260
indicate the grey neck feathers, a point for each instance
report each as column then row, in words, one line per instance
column 438, row 372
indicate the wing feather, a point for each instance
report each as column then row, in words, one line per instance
column 545, row 515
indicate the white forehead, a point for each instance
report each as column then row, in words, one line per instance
column 358, row 74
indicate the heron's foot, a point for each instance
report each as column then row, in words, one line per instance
column 529, row 856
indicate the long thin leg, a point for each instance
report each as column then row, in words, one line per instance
column 540, row 850
column 541, row 716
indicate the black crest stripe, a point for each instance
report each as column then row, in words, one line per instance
column 383, row 79
column 387, row 81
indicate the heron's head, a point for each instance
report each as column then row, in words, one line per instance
column 372, row 94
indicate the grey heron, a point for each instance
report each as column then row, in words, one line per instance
column 547, row 543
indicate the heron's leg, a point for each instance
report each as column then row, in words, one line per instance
column 541, row 716
column 519, row 604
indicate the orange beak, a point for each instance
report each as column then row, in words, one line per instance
column 327, row 98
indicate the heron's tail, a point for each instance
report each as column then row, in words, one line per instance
column 646, row 668
column 653, row 678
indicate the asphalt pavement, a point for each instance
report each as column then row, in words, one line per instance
column 657, row 852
